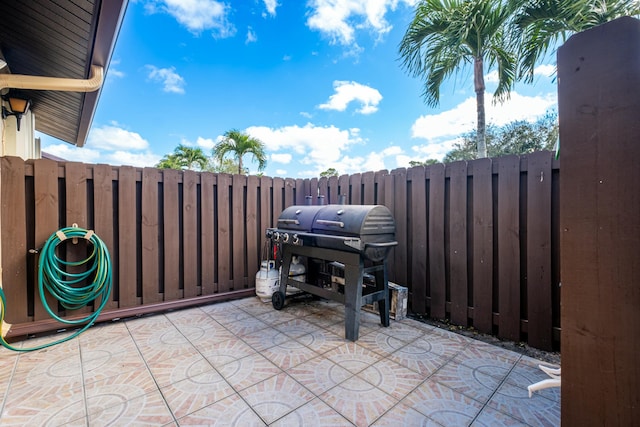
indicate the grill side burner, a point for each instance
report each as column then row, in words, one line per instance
column 358, row 236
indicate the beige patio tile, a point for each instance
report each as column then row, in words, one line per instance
column 473, row 382
column 319, row 374
column 248, row 371
column 145, row 410
column 229, row 412
column 489, row 417
column 105, row 344
column 358, row 401
column 313, row 414
column 264, row 338
column 226, row 351
column 245, row 326
column 381, row 343
column 194, row 393
column 443, row 404
column 112, row 364
column 162, row 344
column 275, row 397
column 47, row 404
column 169, row 371
column 393, row 378
column 497, row 364
column 352, row 357
column 289, row 353
column 59, row 366
column 418, row 359
column 402, row 415
column 535, row 411
column 321, row 340
column 117, row 389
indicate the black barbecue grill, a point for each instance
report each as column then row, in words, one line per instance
column 357, row 237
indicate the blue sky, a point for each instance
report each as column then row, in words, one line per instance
column 318, row 81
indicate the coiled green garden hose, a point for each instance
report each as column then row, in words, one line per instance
column 63, row 285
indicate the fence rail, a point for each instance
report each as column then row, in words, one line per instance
column 478, row 240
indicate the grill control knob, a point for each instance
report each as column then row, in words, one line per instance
column 285, row 237
column 276, row 236
column 295, row 240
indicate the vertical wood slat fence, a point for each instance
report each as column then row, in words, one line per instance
column 478, row 240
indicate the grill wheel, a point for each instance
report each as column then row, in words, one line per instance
column 277, row 299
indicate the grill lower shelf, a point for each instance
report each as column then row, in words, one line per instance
column 352, row 293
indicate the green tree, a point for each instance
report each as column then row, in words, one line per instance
column 169, row 161
column 184, row 157
column 517, row 137
column 542, row 23
column 329, row 173
column 427, row 162
column 226, row 166
column 239, row 144
column 446, row 35
column 192, row 158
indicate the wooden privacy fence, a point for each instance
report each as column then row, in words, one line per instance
column 478, row 241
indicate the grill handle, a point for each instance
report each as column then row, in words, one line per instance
column 289, row 221
column 328, row 222
column 380, row 244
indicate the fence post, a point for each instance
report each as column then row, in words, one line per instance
column 599, row 107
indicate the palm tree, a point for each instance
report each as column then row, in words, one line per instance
column 184, row 157
column 544, row 22
column 446, row 35
column 191, row 157
column 169, row 161
column 239, row 144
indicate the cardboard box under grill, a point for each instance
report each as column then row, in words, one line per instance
column 398, row 302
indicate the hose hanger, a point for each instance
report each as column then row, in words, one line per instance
column 69, row 288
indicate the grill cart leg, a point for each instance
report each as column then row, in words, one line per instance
column 352, row 299
column 278, row 297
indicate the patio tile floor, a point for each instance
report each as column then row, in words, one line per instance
column 241, row 363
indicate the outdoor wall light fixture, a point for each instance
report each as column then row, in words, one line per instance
column 18, row 106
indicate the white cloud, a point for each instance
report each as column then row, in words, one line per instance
column 251, row 36
column 107, row 144
column 462, row 118
column 196, row 15
column 346, row 92
column 271, row 6
column 115, row 138
column 318, row 146
column 305, row 114
column 433, row 150
column 281, row 172
column 72, row 153
column 282, row 158
column 146, row 159
column 545, row 70
column 339, row 19
column 171, row 81
column 207, row 143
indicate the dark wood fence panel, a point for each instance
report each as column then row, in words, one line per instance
column 482, row 246
column 14, row 244
column 207, row 232
column 509, row 248
column 127, row 238
column 437, row 268
column 418, row 235
column 475, row 239
column 458, row 242
column 539, row 285
column 189, row 235
column 171, row 233
column 223, row 207
column 150, row 259
column 45, row 177
column 103, row 215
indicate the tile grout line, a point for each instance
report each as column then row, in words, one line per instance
column 135, row 342
column 484, row 405
column 6, row 393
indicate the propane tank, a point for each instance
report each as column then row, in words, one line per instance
column 267, row 280
column 296, row 272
